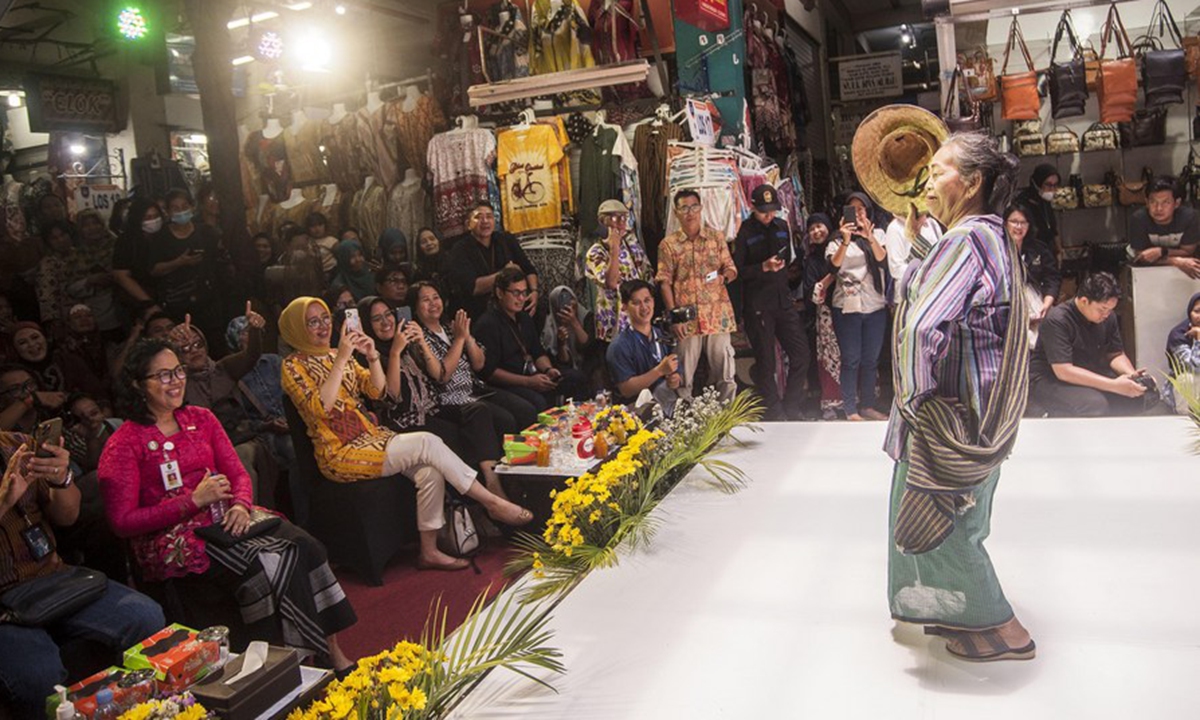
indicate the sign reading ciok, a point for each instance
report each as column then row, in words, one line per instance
column 59, row 102
column 870, row 77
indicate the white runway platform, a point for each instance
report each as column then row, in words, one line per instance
column 771, row 603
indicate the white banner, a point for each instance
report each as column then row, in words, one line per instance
column 100, row 198
column 871, row 77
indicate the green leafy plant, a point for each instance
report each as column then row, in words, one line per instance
column 1187, row 386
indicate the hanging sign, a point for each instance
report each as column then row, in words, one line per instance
column 700, row 122
column 100, row 198
column 869, row 77
column 58, row 102
column 708, row 15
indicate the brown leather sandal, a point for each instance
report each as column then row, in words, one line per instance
column 1000, row 650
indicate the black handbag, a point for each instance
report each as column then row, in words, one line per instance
column 1164, row 70
column 41, row 601
column 1148, row 127
column 261, row 522
column 1068, row 81
column 961, row 123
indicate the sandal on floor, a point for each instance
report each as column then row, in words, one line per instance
column 1000, row 649
column 458, row 564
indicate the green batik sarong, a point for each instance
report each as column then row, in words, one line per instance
column 953, row 585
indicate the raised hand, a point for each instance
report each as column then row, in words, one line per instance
column 254, row 319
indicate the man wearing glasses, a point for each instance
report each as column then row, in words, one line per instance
column 22, row 405
column 694, row 266
column 478, row 257
column 613, row 260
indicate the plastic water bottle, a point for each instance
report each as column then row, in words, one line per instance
column 106, row 707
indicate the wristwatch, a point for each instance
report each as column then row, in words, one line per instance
column 66, row 483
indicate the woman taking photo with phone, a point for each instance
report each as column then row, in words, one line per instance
column 329, row 390
column 411, row 402
column 170, row 478
column 859, row 263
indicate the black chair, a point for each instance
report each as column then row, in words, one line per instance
column 362, row 524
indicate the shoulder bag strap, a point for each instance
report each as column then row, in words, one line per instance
column 1024, row 47
column 1058, row 33
column 952, row 94
column 1166, row 23
column 1008, row 46
column 1072, row 36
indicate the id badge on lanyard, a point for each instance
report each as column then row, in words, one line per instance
column 37, row 541
column 172, row 476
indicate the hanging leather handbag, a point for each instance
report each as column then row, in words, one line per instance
column 1091, row 65
column 1117, row 84
column 980, row 75
column 1068, row 81
column 1027, row 138
column 1164, row 70
column 960, row 123
column 1062, row 141
column 1018, row 93
column 1100, row 136
column 1133, row 193
column 1148, row 127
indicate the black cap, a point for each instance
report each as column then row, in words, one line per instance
column 765, row 198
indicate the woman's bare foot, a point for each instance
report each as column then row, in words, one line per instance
column 873, row 414
column 854, row 417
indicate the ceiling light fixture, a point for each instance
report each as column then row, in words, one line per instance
column 260, row 17
column 340, row 9
column 77, row 149
column 243, row 59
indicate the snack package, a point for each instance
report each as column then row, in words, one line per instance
column 521, row 449
column 550, row 417
column 177, row 658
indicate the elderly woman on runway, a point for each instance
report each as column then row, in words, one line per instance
column 961, row 376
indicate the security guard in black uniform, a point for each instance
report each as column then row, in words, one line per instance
column 762, row 251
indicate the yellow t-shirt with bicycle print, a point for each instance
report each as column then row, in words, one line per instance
column 528, row 164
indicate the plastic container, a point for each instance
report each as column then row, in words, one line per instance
column 66, row 708
column 106, row 707
column 581, row 433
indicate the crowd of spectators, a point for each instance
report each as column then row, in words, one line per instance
column 171, row 365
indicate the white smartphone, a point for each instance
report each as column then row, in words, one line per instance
column 353, row 321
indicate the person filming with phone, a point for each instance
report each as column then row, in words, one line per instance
column 1079, row 367
column 859, row 260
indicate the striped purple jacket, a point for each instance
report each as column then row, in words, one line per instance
column 952, row 339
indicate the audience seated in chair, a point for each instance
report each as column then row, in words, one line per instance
column 329, row 388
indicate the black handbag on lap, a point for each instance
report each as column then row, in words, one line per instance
column 261, row 522
column 41, row 601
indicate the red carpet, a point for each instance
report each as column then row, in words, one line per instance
column 397, row 610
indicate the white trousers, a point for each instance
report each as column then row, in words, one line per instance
column 424, row 458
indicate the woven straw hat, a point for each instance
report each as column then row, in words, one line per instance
column 891, row 153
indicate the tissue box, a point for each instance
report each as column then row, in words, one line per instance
column 83, row 693
column 249, row 697
column 177, row 658
column 521, row 449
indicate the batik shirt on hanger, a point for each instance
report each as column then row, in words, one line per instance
column 341, row 152
column 528, row 165
column 561, row 40
column 615, row 40
column 269, row 157
column 459, row 163
column 506, row 43
column 304, row 153
column 414, row 129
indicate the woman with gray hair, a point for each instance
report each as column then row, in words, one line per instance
column 961, row 377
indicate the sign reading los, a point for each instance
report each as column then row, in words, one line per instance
column 871, row 77
column 59, row 102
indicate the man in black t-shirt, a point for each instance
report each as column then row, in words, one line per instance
column 1163, row 233
column 1079, row 367
column 478, row 257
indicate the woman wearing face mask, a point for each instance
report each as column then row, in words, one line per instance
column 818, row 279
column 1038, row 196
column 130, row 262
column 183, row 265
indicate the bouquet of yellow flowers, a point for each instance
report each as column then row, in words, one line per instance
column 177, row 707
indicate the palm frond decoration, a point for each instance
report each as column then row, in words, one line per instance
column 1186, row 385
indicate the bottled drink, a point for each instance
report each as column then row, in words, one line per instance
column 106, row 707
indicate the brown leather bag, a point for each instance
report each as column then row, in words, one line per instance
column 1133, row 193
column 980, row 76
column 1019, row 97
column 960, row 123
column 1117, row 86
column 1091, row 66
